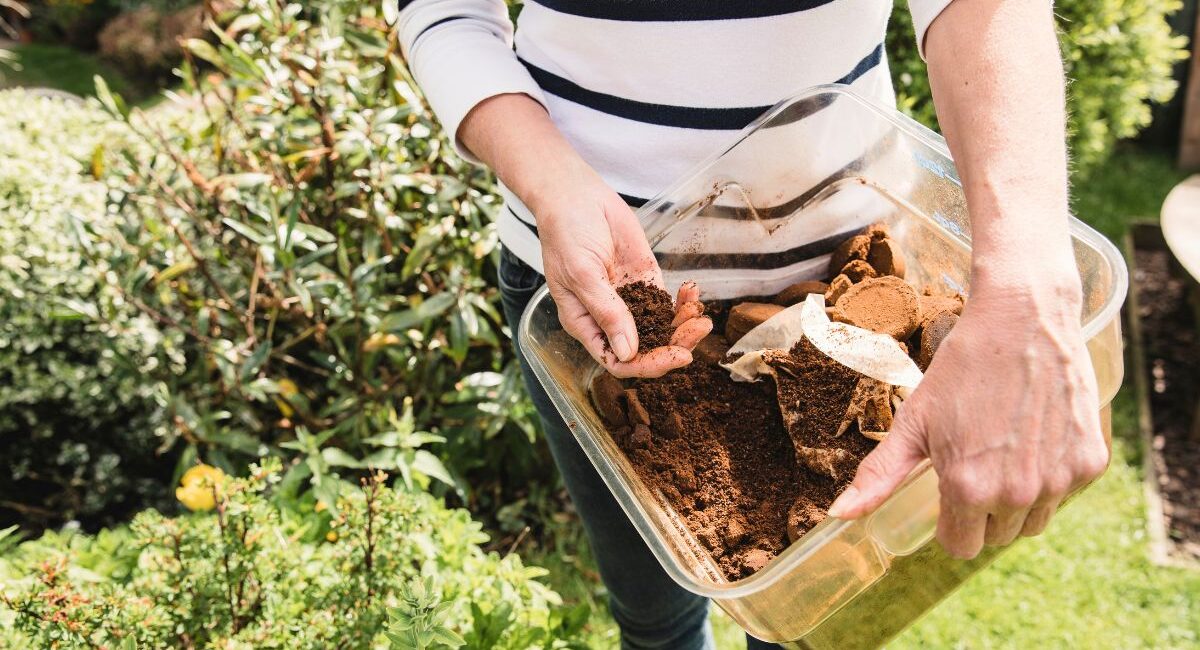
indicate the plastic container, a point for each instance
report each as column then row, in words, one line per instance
column 812, row 170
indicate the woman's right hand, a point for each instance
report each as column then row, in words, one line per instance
column 591, row 241
column 591, row 244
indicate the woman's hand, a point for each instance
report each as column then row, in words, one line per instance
column 591, row 243
column 1008, row 414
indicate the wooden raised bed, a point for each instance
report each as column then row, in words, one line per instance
column 1147, row 236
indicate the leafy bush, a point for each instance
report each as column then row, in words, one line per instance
column 74, row 22
column 78, row 417
column 144, row 42
column 1118, row 58
column 262, row 572
column 325, row 256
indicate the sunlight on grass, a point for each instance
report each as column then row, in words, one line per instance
column 61, row 68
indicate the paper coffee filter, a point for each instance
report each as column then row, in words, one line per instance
column 873, row 354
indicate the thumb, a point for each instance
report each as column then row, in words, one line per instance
column 883, row 469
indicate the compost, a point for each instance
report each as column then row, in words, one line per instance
column 1172, row 351
column 751, row 467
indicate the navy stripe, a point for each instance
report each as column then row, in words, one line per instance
column 435, row 24
column 678, row 10
column 775, row 260
column 633, row 201
column 686, row 117
column 525, row 223
column 869, row 61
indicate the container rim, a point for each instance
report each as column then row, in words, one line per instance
column 815, row 540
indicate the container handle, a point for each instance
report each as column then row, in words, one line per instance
column 908, row 520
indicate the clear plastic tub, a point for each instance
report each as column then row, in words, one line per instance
column 812, row 170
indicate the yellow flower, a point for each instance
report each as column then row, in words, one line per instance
column 331, row 536
column 380, row 340
column 198, row 487
column 320, row 507
column 287, row 388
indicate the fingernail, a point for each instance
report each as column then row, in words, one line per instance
column 620, row 346
column 843, row 502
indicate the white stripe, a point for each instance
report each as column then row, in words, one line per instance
column 638, row 159
column 716, row 63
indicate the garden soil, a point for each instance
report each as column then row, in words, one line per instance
column 1169, row 333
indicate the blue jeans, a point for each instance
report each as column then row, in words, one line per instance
column 652, row 611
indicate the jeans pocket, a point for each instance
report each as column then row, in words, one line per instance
column 517, row 279
column 518, row 282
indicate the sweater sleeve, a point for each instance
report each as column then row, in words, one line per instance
column 461, row 53
column 923, row 13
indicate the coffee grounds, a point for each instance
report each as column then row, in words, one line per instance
column 720, row 456
column 719, row 452
column 653, row 310
column 887, row 305
column 814, row 393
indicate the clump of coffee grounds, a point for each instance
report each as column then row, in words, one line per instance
column 814, row 392
column 653, row 311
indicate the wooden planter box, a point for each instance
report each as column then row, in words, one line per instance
column 1146, row 235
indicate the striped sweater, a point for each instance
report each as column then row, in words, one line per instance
column 643, row 89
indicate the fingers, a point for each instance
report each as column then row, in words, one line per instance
column 688, row 292
column 577, row 322
column 961, row 528
column 654, row 363
column 610, row 314
column 1037, row 520
column 1004, row 527
column 689, row 334
column 881, row 472
column 686, row 311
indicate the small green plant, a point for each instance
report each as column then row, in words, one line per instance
column 260, row 570
column 1118, row 56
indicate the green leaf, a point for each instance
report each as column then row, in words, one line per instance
column 250, row 368
column 366, row 269
column 338, row 458
column 111, row 101
column 175, row 270
column 426, row 311
column 204, row 50
column 319, row 235
column 244, row 181
column 448, row 637
column 431, row 466
column 248, row 231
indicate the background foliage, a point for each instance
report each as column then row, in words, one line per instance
column 323, row 256
column 289, row 260
column 1118, row 56
column 261, row 573
column 78, row 418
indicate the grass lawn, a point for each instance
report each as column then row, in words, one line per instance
column 62, row 68
column 1086, row 583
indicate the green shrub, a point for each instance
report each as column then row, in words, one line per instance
column 74, row 22
column 144, row 42
column 1118, row 56
column 79, row 419
column 325, row 256
column 261, row 572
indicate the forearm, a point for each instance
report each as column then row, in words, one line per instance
column 997, row 81
column 514, row 136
